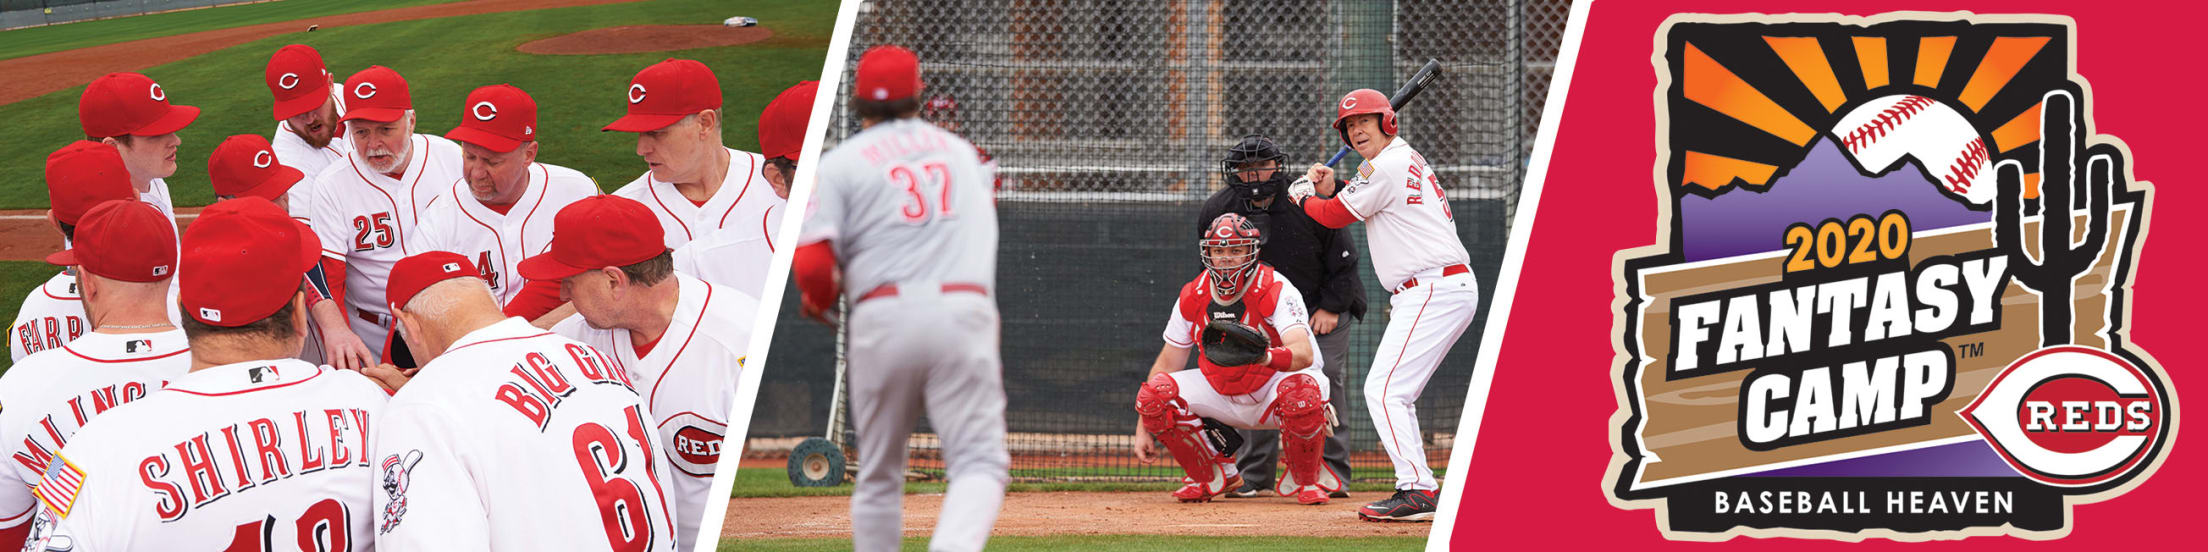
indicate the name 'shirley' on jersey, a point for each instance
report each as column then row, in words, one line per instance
column 1874, row 338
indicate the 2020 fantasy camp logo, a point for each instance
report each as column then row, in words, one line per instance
column 1891, row 297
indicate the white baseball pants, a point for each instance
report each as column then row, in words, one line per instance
column 924, row 349
column 1423, row 323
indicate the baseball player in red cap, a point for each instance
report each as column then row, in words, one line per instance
column 364, row 210
column 246, row 165
column 1416, row 254
column 132, row 113
column 78, row 176
column 682, row 340
column 500, row 211
column 696, row 186
column 905, row 210
column 308, row 104
column 124, row 258
column 519, row 439
column 252, row 448
column 781, row 138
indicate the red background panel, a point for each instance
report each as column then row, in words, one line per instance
column 1536, row 476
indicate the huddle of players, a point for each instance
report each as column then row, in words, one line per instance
column 545, row 386
column 1416, row 254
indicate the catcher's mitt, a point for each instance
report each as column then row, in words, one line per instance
column 1232, row 344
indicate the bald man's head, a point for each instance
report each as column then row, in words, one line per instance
column 444, row 312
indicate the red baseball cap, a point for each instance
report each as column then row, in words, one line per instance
column 666, row 92
column 413, row 274
column 376, row 94
column 85, row 174
column 243, row 259
column 130, row 104
column 123, row 239
column 782, row 125
column 597, row 232
column 298, row 79
column 887, row 73
column 500, row 117
column 244, row 165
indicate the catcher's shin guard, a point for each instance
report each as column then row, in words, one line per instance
column 1165, row 415
column 1303, row 413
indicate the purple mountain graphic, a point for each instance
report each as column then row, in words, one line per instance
column 1824, row 185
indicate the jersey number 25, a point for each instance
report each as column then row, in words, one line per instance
column 935, row 175
column 371, row 231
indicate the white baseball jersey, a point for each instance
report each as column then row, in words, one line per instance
column 733, row 257
column 1286, row 313
column 293, row 151
column 1406, row 218
column 158, row 194
column 905, row 201
column 251, row 456
column 365, row 219
column 457, row 222
column 518, row 439
column 688, row 379
column 743, row 200
column 45, row 398
column 51, row 316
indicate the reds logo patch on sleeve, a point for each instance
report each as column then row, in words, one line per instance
column 58, row 488
column 395, row 481
column 694, row 443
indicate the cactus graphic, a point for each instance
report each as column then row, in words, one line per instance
column 2061, row 260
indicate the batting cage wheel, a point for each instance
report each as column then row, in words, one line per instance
column 816, row 462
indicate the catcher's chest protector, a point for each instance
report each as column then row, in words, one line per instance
column 1255, row 308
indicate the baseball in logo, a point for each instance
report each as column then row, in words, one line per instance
column 1861, row 320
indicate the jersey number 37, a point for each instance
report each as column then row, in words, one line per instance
column 919, row 182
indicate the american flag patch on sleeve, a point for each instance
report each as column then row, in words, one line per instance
column 58, row 488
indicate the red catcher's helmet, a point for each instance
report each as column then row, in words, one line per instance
column 1230, row 271
column 1364, row 101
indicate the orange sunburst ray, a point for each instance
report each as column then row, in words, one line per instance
column 2007, row 56
column 1932, row 52
column 1807, row 59
column 1718, row 88
column 1870, row 54
column 2022, row 130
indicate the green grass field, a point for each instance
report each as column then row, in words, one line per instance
column 17, row 279
column 443, row 59
column 774, row 482
column 1113, row 543
column 69, row 36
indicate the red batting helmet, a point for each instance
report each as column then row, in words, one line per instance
column 1230, row 272
column 1364, row 101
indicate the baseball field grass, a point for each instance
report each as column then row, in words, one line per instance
column 772, row 482
column 1113, row 543
column 18, row 278
column 442, row 60
column 69, row 36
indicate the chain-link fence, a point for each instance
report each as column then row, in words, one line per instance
column 31, row 13
column 1108, row 121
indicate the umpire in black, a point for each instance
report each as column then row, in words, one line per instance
column 1322, row 264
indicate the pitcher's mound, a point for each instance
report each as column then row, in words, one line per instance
column 645, row 38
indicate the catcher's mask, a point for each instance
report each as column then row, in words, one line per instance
column 1254, row 151
column 1229, row 249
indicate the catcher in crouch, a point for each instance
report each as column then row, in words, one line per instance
column 1258, row 370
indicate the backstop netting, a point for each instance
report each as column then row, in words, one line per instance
column 1108, row 120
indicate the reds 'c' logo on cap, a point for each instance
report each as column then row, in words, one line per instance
column 155, row 91
column 1349, row 102
column 262, row 159
column 484, row 111
column 636, row 93
column 1225, row 232
column 364, row 90
column 288, row 81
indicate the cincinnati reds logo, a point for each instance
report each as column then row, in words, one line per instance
column 1349, row 102
column 698, row 446
column 262, row 159
column 288, row 81
column 155, row 91
column 636, row 93
column 364, row 90
column 1224, row 232
column 484, row 111
column 2071, row 416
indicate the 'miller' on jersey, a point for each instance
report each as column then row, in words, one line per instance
column 238, row 458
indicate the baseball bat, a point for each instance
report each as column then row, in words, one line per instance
column 1402, row 98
